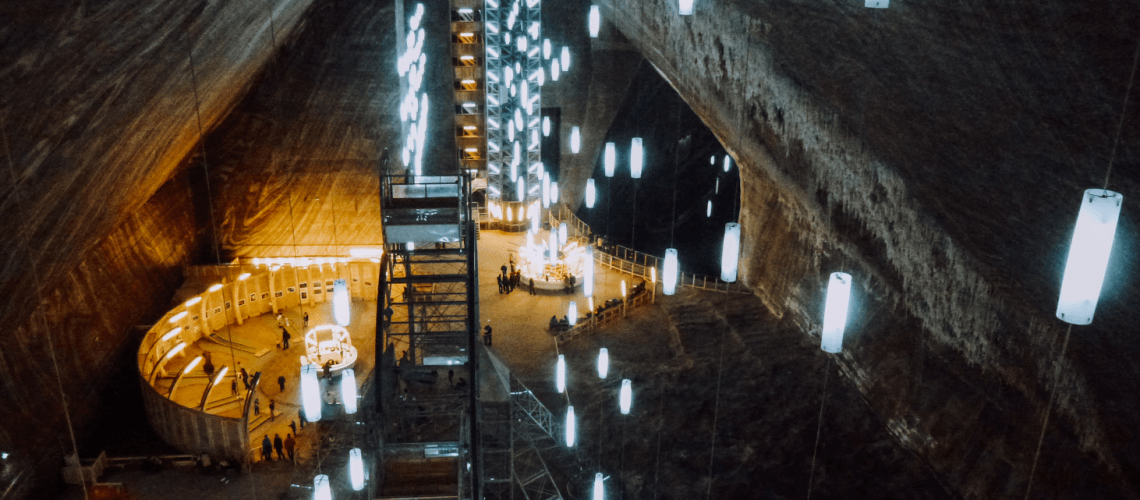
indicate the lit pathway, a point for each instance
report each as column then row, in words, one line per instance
column 520, row 320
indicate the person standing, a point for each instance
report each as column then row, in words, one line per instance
column 244, row 377
column 257, row 407
column 306, row 318
column 532, row 286
column 284, row 338
column 233, row 387
column 272, row 406
column 281, row 382
column 293, row 425
column 504, row 269
column 279, row 446
column 290, row 444
column 208, row 367
column 487, row 335
column 499, row 279
column 266, row 448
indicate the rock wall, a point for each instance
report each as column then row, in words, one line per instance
column 102, row 103
column 936, row 152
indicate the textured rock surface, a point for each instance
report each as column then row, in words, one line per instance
column 99, row 111
column 938, row 152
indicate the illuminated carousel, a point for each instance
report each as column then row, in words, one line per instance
column 551, row 269
column 327, row 344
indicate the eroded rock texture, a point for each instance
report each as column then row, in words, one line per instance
column 99, row 109
column 938, row 152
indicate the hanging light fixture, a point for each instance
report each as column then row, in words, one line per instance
column 562, row 233
column 835, row 312
column 730, row 253
column 669, row 275
column 546, row 191
column 636, row 158
column 603, row 362
column 599, row 489
column 1088, row 255
column 533, row 222
column 571, row 427
column 623, row 289
column 356, row 469
column 554, row 192
column 588, row 275
column 686, row 7
column 521, row 191
column 321, row 489
column 595, row 21
column 560, row 374
column 708, row 211
column 555, row 71
column 591, row 300
column 591, row 193
column 565, row 58
column 546, row 126
column 546, row 48
column 610, row 159
column 575, row 140
column 717, row 189
column 340, row 302
column 727, row 162
column 626, row 398
column 348, row 390
column 572, row 313
column 310, row 392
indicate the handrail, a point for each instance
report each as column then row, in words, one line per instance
column 607, row 316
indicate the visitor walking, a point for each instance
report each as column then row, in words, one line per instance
column 290, row 443
column 499, row 279
column 532, row 286
column 233, row 387
column 306, row 318
column 279, row 446
column 285, row 338
column 244, row 377
column 266, row 448
column 293, row 425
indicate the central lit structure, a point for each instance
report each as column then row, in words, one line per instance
column 551, row 263
column 325, row 344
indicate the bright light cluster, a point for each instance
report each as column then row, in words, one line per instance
column 515, row 52
column 414, row 107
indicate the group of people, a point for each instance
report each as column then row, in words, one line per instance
column 283, row 447
column 512, row 278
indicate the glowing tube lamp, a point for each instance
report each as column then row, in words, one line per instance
column 565, row 56
column 626, row 397
column 554, row 192
column 708, row 211
column 575, row 140
column 599, row 488
column 591, row 193
column 727, row 162
column 730, row 254
column 221, row 375
column 546, row 48
column 321, row 489
column 595, row 21
column 193, row 364
column 1088, row 256
column 348, row 390
column 171, row 334
column 534, row 221
column 546, row 126
column 175, row 350
column 310, row 392
column 572, row 313
column 243, row 276
column 562, row 233
column 636, row 158
column 603, row 362
column 340, row 302
column 546, row 191
column 588, row 275
column 686, row 7
column 215, row 287
column 177, row 317
column 571, row 427
column 356, row 469
column 555, row 71
column 669, row 276
column 560, row 374
column 835, row 312
column 193, row 301
column 521, row 191
column 623, row 289
column 611, row 159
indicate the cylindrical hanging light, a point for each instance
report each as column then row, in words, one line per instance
column 717, row 189
column 546, row 191
column 730, row 253
column 1088, row 255
column 348, row 390
column 321, row 489
column 595, row 21
column 591, row 193
column 591, row 299
column 622, row 289
column 575, row 139
column 686, row 7
column 708, row 211
column 565, row 57
column 562, row 233
column 588, row 275
column 572, row 313
column 626, row 398
column 546, row 126
column 835, row 312
column 521, row 190
column 603, row 362
column 356, row 469
column 571, row 427
column 727, row 162
column 636, row 158
column 555, row 70
column 533, row 221
column 554, row 192
column 599, row 489
column 560, row 374
column 610, row 159
column 669, row 275
column 310, row 392
column 546, row 48
column 340, row 302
